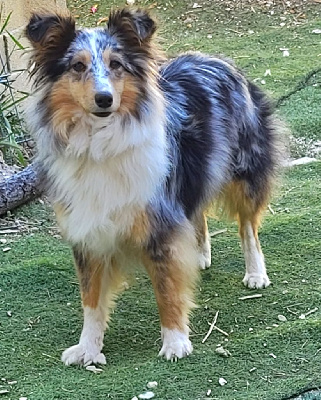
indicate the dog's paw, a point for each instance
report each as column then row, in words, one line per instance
column 256, row 281
column 176, row 344
column 204, row 256
column 80, row 355
column 203, row 261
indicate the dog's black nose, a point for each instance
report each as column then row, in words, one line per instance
column 103, row 99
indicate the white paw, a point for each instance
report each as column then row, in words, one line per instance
column 80, row 355
column 204, row 257
column 176, row 344
column 256, row 281
column 204, row 261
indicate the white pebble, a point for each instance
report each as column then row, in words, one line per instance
column 282, row 318
column 147, row 395
column 222, row 381
column 152, row 385
column 130, row 2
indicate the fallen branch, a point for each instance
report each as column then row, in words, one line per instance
column 20, row 188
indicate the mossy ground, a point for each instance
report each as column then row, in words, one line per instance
column 270, row 359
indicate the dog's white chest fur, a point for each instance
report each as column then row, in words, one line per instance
column 104, row 178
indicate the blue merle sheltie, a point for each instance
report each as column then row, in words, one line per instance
column 135, row 149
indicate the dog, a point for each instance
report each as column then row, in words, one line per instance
column 135, row 150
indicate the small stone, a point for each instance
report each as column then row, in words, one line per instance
column 222, row 352
column 152, row 385
column 208, row 393
column 130, row 2
column 9, row 313
column 6, row 249
column 222, row 381
column 146, row 395
column 282, row 318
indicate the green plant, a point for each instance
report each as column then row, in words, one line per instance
column 12, row 133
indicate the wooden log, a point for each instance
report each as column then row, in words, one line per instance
column 20, row 188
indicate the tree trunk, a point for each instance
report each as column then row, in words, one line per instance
column 20, row 188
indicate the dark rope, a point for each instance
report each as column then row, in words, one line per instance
column 304, row 82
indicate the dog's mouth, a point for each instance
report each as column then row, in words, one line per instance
column 102, row 114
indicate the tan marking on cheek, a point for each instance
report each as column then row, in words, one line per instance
column 68, row 98
column 83, row 93
column 129, row 95
column 63, row 108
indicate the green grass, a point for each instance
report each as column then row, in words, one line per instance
column 38, row 283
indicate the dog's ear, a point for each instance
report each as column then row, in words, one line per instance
column 50, row 36
column 52, row 32
column 129, row 23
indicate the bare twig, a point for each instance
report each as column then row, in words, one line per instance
column 211, row 328
column 253, row 296
column 218, row 232
column 221, row 331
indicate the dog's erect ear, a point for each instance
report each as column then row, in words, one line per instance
column 50, row 36
column 50, row 29
column 127, row 22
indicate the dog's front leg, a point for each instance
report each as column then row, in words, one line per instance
column 174, row 273
column 99, row 278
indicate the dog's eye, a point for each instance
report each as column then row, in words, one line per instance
column 79, row 67
column 114, row 64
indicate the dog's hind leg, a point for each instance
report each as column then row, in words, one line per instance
column 173, row 271
column 99, row 280
column 203, row 239
column 247, row 208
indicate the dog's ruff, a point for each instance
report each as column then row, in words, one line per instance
column 134, row 150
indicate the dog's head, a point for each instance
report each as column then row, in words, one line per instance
column 98, row 71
